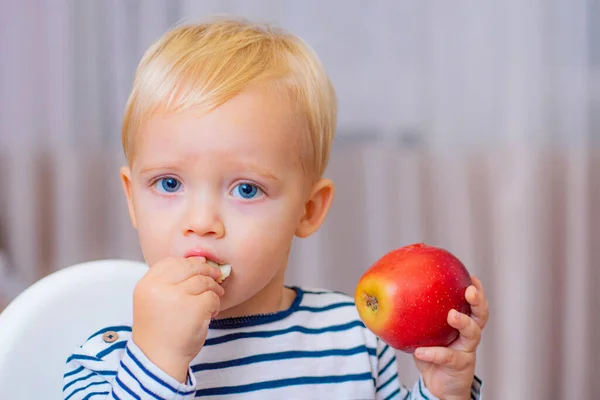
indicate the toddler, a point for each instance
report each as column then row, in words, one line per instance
column 227, row 133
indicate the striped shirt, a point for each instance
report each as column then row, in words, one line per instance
column 317, row 349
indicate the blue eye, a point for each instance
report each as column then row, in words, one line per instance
column 246, row 191
column 169, row 185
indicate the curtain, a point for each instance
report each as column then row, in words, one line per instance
column 468, row 125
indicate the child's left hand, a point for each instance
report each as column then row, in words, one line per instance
column 448, row 371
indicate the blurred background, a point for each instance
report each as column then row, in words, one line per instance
column 470, row 125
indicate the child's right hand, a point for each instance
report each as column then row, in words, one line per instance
column 172, row 308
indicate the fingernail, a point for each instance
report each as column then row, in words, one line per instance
column 455, row 315
column 422, row 352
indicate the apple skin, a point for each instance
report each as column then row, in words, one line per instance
column 404, row 297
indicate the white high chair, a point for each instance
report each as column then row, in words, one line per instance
column 44, row 324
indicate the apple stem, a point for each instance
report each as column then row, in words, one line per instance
column 371, row 302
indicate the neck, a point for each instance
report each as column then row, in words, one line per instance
column 272, row 298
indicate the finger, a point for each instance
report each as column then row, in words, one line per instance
column 481, row 314
column 159, row 267
column 209, row 304
column 470, row 332
column 170, row 269
column 443, row 356
column 473, row 296
column 183, row 269
column 478, row 285
column 198, row 284
column 201, row 264
column 479, row 305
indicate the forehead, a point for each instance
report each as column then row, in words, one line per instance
column 258, row 124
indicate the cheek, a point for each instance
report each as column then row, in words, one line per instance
column 152, row 241
column 154, row 226
column 263, row 249
column 265, row 237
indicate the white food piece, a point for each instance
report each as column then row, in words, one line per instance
column 225, row 270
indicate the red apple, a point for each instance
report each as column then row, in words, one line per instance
column 405, row 297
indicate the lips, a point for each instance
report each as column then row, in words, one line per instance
column 204, row 253
column 212, row 260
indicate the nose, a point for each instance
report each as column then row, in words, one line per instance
column 204, row 218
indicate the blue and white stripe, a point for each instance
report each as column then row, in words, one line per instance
column 318, row 348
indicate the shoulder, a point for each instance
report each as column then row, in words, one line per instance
column 96, row 361
column 326, row 300
column 333, row 307
column 335, row 311
column 103, row 348
column 324, row 295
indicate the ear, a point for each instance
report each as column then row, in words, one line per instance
column 126, row 181
column 316, row 208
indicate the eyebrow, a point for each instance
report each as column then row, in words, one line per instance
column 257, row 170
column 147, row 170
column 260, row 171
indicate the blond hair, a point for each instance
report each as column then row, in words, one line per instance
column 201, row 66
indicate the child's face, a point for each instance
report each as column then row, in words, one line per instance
column 229, row 183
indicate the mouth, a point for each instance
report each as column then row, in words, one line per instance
column 213, row 261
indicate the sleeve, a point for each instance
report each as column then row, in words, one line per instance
column 119, row 370
column 387, row 382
